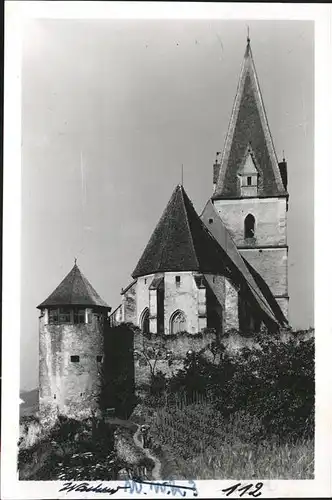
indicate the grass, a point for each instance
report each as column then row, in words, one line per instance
column 199, row 444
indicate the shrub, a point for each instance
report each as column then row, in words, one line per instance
column 273, row 382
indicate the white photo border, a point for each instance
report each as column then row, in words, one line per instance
column 16, row 13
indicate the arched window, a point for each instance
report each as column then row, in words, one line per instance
column 145, row 321
column 178, row 322
column 249, row 226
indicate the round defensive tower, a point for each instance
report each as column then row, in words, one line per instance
column 72, row 325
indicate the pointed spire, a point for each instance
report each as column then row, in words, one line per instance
column 247, row 51
column 249, row 126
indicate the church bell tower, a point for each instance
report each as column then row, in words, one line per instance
column 250, row 188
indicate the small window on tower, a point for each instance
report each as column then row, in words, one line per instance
column 99, row 359
column 177, row 280
column 53, row 316
column 79, row 316
column 74, row 359
column 249, row 181
column 64, row 315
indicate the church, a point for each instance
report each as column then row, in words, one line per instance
column 225, row 269
column 220, row 272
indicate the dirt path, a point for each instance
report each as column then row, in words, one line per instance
column 157, row 464
column 138, row 441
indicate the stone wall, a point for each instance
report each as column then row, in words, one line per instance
column 177, row 345
column 184, row 297
column 66, row 387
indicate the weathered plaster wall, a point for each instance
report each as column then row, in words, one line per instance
column 129, row 305
column 231, row 306
column 142, row 296
column 184, row 297
column 67, row 387
column 270, row 216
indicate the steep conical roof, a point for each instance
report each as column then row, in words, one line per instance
column 74, row 289
column 180, row 241
column 249, row 130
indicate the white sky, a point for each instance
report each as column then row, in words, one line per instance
column 110, row 111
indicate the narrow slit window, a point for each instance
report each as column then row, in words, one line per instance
column 75, row 359
column 177, row 280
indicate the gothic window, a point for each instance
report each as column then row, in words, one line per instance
column 249, row 226
column 145, row 321
column 178, row 322
column 249, row 181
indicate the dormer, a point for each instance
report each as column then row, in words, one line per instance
column 248, row 176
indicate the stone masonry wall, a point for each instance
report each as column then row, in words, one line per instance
column 66, row 387
column 178, row 345
column 181, row 344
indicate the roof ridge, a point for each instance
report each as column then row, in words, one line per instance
column 164, row 242
column 73, row 280
column 182, row 191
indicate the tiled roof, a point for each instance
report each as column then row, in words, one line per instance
column 74, row 289
column 180, row 242
column 249, row 128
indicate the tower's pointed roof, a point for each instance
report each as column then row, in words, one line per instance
column 249, row 130
column 180, row 241
column 76, row 290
